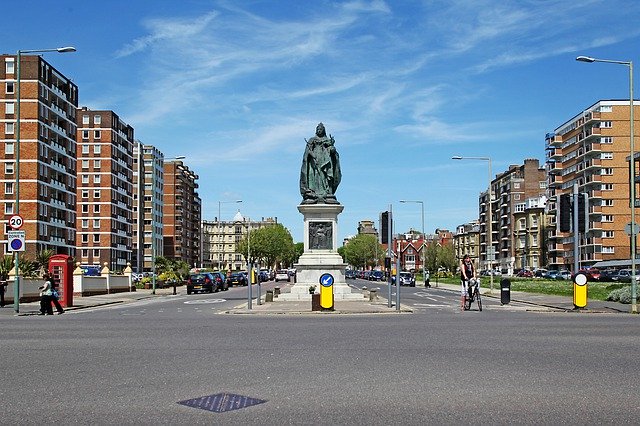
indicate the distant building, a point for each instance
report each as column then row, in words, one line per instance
column 367, row 227
column 220, row 239
column 105, row 189
column 182, row 212
column 529, row 233
column 466, row 241
column 46, row 194
column 591, row 150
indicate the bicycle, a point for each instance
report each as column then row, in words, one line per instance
column 473, row 295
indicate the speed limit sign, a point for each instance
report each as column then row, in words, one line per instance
column 16, row 221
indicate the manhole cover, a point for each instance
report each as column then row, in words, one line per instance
column 221, row 402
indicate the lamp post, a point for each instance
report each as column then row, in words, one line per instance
column 490, row 251
column 221, row 234
column 153, row 218
column 632, row 174
column 424, row 240
column 16, row 286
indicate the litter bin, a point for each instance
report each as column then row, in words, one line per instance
column 315, row 302
column 269, row 296
column 505, row 291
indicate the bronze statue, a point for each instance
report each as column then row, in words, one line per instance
column 320, row 174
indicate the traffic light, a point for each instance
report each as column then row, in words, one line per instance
column 583, row 212
column 385, row 225
column 565, row 212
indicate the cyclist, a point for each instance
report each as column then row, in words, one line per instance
column 467, row 273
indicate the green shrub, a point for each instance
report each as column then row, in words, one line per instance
column 622, row 295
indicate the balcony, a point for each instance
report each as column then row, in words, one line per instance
column 554, row 154
column 592, row 179
column 552, row 140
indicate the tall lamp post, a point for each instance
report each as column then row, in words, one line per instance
column 632, row 174
column 221, row 234
column 490, row 251
column 424, row 239
column 153, row 218
column 16, row 286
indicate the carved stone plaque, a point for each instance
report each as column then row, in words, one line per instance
column 320, row 235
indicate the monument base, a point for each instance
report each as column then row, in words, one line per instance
column 320, row 254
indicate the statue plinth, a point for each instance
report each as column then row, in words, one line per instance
column 320, row 254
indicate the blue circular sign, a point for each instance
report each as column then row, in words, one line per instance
column 16, row 244
column 326, row 280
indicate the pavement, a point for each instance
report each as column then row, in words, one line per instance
column 519, row 300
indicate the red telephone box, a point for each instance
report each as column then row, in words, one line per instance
column 61, row 270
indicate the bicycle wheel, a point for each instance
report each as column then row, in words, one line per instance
column 478, row 300
column 467, row 302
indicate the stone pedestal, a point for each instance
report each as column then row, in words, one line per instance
column 320, row 254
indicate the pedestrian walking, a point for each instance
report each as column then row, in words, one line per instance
column 46, row 293
column 427, row 277
column 55, row 296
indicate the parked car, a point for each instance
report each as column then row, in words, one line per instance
column 623, row 276
column 607, row 275
column 525, row 273
column 563, row 275
column 550, row 274
column 376, row 276
column 350, row 274
column 593, row 274
column 201, row 282
column 221, row 281
column 282, row 275
column 263, row 275
column 237, row 278
column 406, row 278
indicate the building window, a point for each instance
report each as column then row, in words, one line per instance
column 85, row 193
column 8, row 128
column 85, row 223
column 9, row 66
column 96, row 208
column 8, row 188
column 85, row 148
column 9, row 87
column 96, row 193
column 607, row 203
column 10, row 108
column 85, row 238
column 606, row 156
column 542, row 184
column 96, row 238
column 97, row 119
column 85, row 134
column 608, row 234
column 608, row 249
column 607, row 187
column 96, row 164
column 85, row 253
column 8, row 148
column 607, row 218
column 516, row 185
column 85, row 164
column 606, row 108
column 85, row 208
column 516, row 197
column 96, row 134
column 605, row 124
column 96, row 178
column 96, row 223
column 85, row 119
column 97, row 149
column 606, row 139
column 8, row 168
column 85, row 179
column 607, row 171
column 8, row 208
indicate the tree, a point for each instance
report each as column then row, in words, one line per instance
column 440, row 256
column 363, row 250
column 269, row 245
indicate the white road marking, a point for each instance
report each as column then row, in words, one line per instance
column 204, row 301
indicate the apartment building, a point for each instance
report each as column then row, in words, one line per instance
column 367, row 227
column 220, row 239
column 148, row 186
column 182, row 212
column 591, row 150
column 529, row 233
column 105, row 189
column 466, row 240
column 38, row 174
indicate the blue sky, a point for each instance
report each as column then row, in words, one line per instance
column 236, row 86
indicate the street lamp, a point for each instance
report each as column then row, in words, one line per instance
column 153, row 217
column 221, row 234
column 16, row 286
column 632, row 174
column 490, row 251
column 424, row 239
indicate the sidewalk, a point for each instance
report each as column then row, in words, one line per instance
column 528, row 301
column 33, row 308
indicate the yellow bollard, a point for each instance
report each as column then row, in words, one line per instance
column 580, row 291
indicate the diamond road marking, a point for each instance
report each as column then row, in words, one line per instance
column 221, row 402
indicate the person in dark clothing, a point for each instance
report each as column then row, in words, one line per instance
column 46, row 293
column 467, row 273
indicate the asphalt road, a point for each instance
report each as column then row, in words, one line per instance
column 132, row 364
